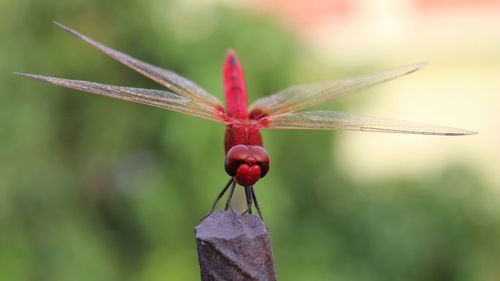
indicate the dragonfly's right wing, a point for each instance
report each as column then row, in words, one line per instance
column 172, row 81
column 299, row 97
column 333, row 120
column 151, row 97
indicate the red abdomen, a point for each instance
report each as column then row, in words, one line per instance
column 236, row 97
column 235, row 91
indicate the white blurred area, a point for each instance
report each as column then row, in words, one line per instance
column 459, row 88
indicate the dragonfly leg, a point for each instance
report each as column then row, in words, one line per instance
column 256, row 203
column 221, row 194
column 230, row 196
column 248, row 196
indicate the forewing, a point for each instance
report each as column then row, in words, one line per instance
column 299, row 97
column 333, row 120
column 151, row 97
column 172, row 81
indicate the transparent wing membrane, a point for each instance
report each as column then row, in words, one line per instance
column 157, row 98
column 278, row 111
column 299, row 97
column 168, row 79
column 332, row 120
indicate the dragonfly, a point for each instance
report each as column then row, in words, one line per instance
column 246, row 159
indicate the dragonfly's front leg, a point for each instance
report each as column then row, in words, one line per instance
column 252, row 193
column 231, row 191
column 221, row 194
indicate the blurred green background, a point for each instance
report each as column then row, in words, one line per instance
column 98, row 189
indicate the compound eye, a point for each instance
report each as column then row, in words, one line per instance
column 262, row 157
column 235, row 157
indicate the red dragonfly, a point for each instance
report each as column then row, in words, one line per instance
column 246, row 159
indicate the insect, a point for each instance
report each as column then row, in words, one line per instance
column 246, row 159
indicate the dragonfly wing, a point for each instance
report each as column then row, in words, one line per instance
column 168, row 79
column 299, row 97
column 151, row 97
column 333, row 120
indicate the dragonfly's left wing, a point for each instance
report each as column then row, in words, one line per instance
column 299, row 97
column 172, row 81
column 333, row 120
column 151, row 97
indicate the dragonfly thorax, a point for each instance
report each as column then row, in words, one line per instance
column 247, row 163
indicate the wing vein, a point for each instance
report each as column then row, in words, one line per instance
column 166, row 78
column 333, row 120
column 298, row 97
column 157, row 98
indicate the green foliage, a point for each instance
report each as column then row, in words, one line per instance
column 99, row 189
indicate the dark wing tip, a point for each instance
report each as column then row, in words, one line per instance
column 25, row 74
column 458, row 132
column 463, row 133
column 36, row 77
column 74, row 32
column 416, row 66
column 59, row 24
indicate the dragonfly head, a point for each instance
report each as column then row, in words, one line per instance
column 247, row 163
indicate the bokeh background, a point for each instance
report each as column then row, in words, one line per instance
column 98, row 189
